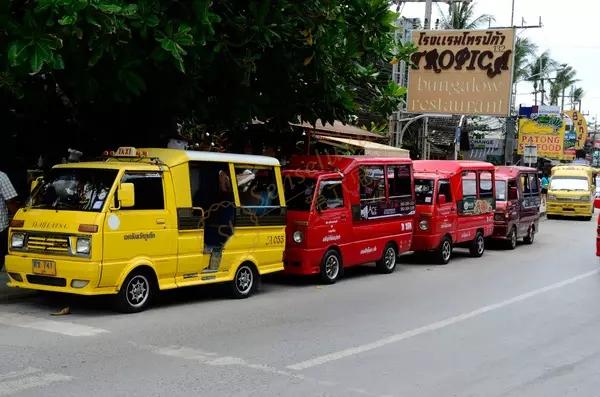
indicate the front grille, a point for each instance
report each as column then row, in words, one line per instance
column 569, row 199
column 48, row 243
column 46, row 280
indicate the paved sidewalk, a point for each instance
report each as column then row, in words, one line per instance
column 8, row 294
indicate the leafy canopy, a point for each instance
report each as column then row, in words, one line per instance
column 130, row 69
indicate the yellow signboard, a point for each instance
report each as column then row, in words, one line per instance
column 461, row 72
column 577, row 123
column 549, row 133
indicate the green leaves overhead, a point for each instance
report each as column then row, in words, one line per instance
column 226, row 61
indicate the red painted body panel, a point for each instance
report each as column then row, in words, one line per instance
column 359, row 241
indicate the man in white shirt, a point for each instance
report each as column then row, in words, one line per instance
column 7, row 202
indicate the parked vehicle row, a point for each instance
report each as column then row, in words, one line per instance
column 156, row 219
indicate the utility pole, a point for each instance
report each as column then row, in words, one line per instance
column 427, row 21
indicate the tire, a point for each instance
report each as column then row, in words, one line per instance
column 444, row 251
column 136, row 293
column 511, row 243
column 389, row 259
column 245, row 281
column 530, row 236
column 588, row 218
column 477, row 247
column 548, row 216
column 331, row 267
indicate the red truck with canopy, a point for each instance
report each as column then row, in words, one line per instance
column 345, row 211
column 455, row 206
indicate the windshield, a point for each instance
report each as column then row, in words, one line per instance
column 75, row 189
column 299, row 192
column 569, row 183
column 501, row 193
column 424, row 191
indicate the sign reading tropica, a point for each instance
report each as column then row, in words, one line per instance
column 461, row 72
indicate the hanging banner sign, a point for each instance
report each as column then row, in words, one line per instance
column 461, row 72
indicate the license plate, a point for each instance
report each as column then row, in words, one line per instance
column 47, row 268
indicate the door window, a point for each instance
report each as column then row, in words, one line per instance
column 148, row 187
column 444, row 189
column 330, row 195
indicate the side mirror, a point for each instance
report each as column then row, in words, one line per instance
column 513, row 193
column 442, row 199
column 35, row 183
column 597, row 202
column 126, row 194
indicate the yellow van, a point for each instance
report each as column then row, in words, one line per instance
column 571, row 192
column 149, row 220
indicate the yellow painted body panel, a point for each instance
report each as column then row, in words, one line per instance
column 127, row 239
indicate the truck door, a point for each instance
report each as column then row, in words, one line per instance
column 143, row 233
column 446, row 209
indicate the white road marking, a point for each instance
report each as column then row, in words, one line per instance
column 434, row 326
column 59, row 327
column 212, row 359
column 29, row 378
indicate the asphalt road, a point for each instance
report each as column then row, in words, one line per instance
column 513, row 323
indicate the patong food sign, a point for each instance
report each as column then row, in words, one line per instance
column 461, row 72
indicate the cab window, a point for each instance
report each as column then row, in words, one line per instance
column 444, row 189
column 330, row 195
column 148, row 187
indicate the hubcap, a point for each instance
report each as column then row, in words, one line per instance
column 332, row 267
column 138, row 290
column 244, row 280
column 480, row 244
column 390, row 258
column 446, row 250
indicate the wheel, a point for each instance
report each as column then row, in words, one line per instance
column 588, row 218
column 548, row 216
column 444, row 252
column 331, row 267
column 136, row 293
column 477, row 246
column 530, row 236
column 387, row 263
column 244, row 282
column 511, row 243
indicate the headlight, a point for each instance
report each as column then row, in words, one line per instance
column 551, row 197
column 17, row 240
column 83, row 245
column 298, row 237
column 423, row 225
column 585, row 198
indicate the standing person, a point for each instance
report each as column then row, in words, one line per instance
column 8, row 205
column 545, row 183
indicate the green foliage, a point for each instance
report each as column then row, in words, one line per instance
column 462, row 16
column 131, row 68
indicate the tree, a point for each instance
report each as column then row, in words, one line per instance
column 462, row 16
column 524, row 50
column 539, row 70
column 105, row 72
column 578, row 95
column 565, row 78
